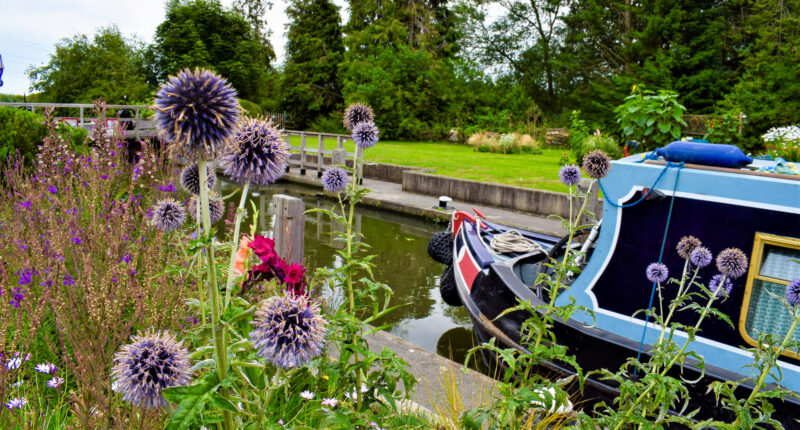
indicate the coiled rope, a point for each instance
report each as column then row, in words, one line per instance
column 513, row 241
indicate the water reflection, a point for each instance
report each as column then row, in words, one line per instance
column 399, row 243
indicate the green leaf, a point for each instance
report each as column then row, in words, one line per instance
column 192, row 400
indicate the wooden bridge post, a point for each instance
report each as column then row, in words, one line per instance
column 339, row 158
column 339, row 144
column 289, row 227
column 320, row 158
column 302, row 153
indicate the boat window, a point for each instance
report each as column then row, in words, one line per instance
column 774, row 265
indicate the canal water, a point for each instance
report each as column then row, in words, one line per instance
column 399, row 243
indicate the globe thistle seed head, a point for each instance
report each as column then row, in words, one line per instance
column 288, row 330
column 596, row 164
column 732, row 262
column 357, row 113
column 168, row 214
column 335, row 180
column 686, row 245
column 657, row 272
column 365, row 135
column 570, row 175
column 190, row 178
column 216, row 207
column 257, row 153
column 720, row 284
column 793, row 292
column 152, row 362
column 196, row 112
column 700, row 257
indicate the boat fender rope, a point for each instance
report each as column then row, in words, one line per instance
column 660, row 254
column 612, row 202
column 514, row 241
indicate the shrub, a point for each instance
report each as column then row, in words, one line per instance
column 652, row 119
column 329, row 124
column 250, row 108
column 783, row 142
column 602, row 142
column 23, row 131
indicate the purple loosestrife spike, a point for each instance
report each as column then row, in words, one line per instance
column 216, row 207
column 657, row 272
column 570, row 175
column 717, row 286
column 288, row 330
column 701, row 257
column 196, row 112
column 168, row 214
column 357, row 113
column 257, row 153
column 732, row 262
column 596, row 164
column 793, row 292
column 686, row 245
column 335, row 180
column 190, row 178
column 365, row 135
column 149, row 364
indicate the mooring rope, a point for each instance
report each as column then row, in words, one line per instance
column 513, row 241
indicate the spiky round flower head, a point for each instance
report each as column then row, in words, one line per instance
column 216, row 207
column 657, row 272
column 190, row 178
column 596, row 164
column 168, row 214
column 365, row 135
column 335, row 180
column 686, row 245
column 700, row 257
column 196, row 111
column 357, row 113
column 288, row 330
column 152, row 362
column 732, row 262
column 793, row 292
column 718, row 286
column 570, row 175
column 257, row 153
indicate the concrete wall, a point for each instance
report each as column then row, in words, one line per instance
column 529, row 200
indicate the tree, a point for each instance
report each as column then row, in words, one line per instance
column 108, row 66
column 200, row 33
column 314, row 49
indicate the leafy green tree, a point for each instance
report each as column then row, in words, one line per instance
column 311, row 86
column 200, row 33
column 83, row 70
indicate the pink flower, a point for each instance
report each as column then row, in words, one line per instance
column 262, row 246
column 241, row 255
column 295, row 274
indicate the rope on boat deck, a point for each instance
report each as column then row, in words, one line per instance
column 514, row 241
column 612, row 202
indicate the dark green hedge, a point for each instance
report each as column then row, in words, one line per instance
column 23, row 131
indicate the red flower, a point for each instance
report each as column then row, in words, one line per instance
column 295, row 274
column 262, row 246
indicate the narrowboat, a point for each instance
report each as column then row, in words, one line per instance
column 647, row 201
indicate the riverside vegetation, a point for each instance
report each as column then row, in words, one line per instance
column 119, row 312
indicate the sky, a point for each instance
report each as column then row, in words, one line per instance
column 29, row 29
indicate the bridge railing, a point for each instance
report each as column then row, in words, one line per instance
column 313, row 154
column 141, row 128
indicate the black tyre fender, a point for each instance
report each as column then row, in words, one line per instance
column 440, row 247
column 448, row 288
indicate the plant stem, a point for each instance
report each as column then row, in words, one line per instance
column 235, row 244
column 216, row 325
column 200, row 286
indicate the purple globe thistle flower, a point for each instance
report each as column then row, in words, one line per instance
column 257, row 154
column 657, row 272
column 149, row 364
column 168, row 214
column 365, row 135
column 196, row 111
column 288, row 330
column 718, row 286
column 190, row 178
column 686, row 245
column 216, row 207
column 700, row 257
column 732, row 262
column 793, row 292
column 356, row 114
column 596, row 164
column 570, row 175
column 335, row 180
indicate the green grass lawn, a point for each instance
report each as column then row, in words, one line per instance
column 460, row 161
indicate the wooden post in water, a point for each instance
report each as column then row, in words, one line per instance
column 289, row 227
